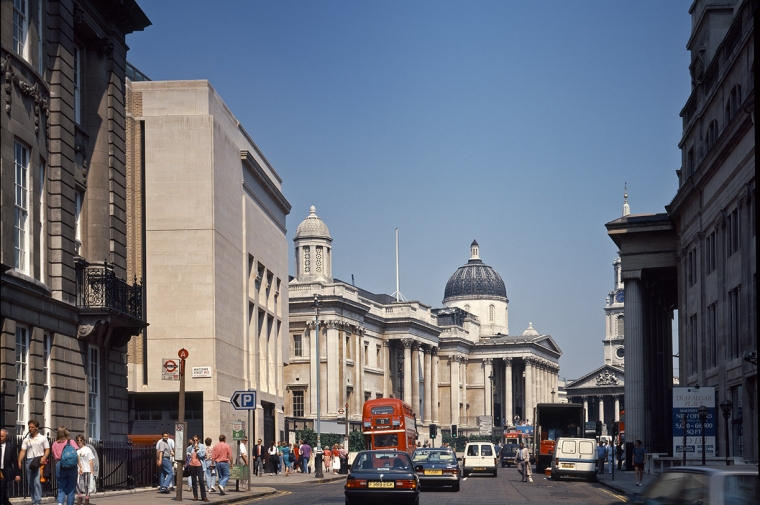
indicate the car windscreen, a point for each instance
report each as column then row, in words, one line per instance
column 382, row 462
column 741, row 489
column 486, row 450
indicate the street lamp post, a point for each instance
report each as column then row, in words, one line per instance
column 318, row 452
column 493, row 417
column 702, row 411
column 726, row 406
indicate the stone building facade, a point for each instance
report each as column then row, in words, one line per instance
column 443, row 362
column 216, row 262
column 700, row 257
column 68, row 301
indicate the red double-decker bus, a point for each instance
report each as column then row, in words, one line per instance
column 389, row 423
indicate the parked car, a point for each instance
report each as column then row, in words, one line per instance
column 709, row 485
column 507, row 454
column 382, row 477
column 479, row 457
column 574, row 457
column 436, row 467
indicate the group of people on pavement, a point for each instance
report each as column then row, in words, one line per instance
column 72, row 459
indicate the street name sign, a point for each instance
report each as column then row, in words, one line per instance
column 243, row 400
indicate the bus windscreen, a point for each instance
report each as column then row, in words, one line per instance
column 386, row 440
column 388, row 409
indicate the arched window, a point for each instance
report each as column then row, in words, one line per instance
column 620, row 327
column 491, row 312
column 733, row 102
column 467, row 307
column 712, row 135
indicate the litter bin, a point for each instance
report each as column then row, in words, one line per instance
column 343, row 465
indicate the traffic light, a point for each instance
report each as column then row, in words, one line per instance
column 433, row 430
column 615, row 427
column 598, row 428
column 454, row 431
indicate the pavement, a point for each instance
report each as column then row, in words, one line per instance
column 261, row 486
column 625, row 482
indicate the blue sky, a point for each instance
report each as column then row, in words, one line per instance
column 513, row 123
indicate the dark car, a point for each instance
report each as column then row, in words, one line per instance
column 436, row 467
column 734, row 485
column 382, row 477
column 508, row 454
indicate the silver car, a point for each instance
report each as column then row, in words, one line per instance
column 707, row 485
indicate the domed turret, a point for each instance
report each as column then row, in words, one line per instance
column 480, row 290
column 530, row 331
column 313, row 249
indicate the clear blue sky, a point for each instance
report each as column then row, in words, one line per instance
column 513, row 123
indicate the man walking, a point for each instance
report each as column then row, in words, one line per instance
column 257, row 453
column 601, row 455
column 8, row 468
column 36, row 448
column 164, row 455
column 222, row 455
column 523, row 463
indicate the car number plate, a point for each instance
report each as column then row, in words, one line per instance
column 382, row 485
column 568, row 465
column 433, row 472
column 479, row 469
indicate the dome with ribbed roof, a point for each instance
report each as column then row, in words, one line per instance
column 530, row 331
column 475, row 279
column 313, row 227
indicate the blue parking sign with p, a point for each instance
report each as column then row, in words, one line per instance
column 243, row 400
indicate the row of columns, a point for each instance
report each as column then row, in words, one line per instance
column 616, row 410
column 412, row 349
column 541, row 378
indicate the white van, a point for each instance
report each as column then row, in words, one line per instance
column 574, row 457
column 479, row 457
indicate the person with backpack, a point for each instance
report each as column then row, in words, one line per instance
column 65, row 456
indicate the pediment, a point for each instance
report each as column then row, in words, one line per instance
column 548, row 342
column 606, row 376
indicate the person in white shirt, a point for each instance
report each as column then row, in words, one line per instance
column 86, row 469
column 34, row 446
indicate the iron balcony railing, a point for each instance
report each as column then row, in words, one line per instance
column 101, row 288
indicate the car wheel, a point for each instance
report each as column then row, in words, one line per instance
column 554, row 476
column 591, row 478
column 494, row 472
column 455, row 488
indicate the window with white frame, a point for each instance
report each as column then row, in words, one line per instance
column 21, row 28
column 77, row 85
column 297, row 403
column 93, row 392
column 22, row 378
column 297, row 345
column 21, row 208
column 42, row 220
column 46, row 400
column 78, row 197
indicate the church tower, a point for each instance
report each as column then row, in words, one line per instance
column 313, row 250
column 614, row 339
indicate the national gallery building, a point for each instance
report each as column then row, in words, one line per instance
column 454, row 365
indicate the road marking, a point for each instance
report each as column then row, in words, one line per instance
column 465, row 478
column 619, row 497
column 269, row 496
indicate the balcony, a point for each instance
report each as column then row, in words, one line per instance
column 111, row 310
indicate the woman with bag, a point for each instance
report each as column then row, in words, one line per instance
column 335, row 459
column 65, row 465
column 286, row 459
column 274, row 459
column 85, row 467
column 196, row 454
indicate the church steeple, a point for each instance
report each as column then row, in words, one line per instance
column 626, row 208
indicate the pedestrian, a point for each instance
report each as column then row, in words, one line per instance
column 85, row 469
column 335, row 459
column 620, row 451
column 35, row 451
column 208, row 466
column 327, row 457
column 297, row 463
column 601, row 455
column 639, row 458
column 164, row 456
column 306, row 456
column 9, row 470
column 222, row 456
column 65, row 468
column 610, row 456
column 196, row 454
column 257, row 453
column 523, row 463
column 243, row 460
column 274, row 459
column 285, row 455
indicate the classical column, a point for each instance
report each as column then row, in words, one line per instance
column 358, row 379
column 334, row 388
column 635, row 406
column 488, row 390
column 454, row 393
column 508, row 393
column 428, row 392
column 617, row 408
column 529, row 389
column 416, row 379
column 601, row 408
column 434, row 385
column 313, row 367
column 464, row 390
column 385, row 366
column 585, row 408
column 407, row 343
column 541, row 382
